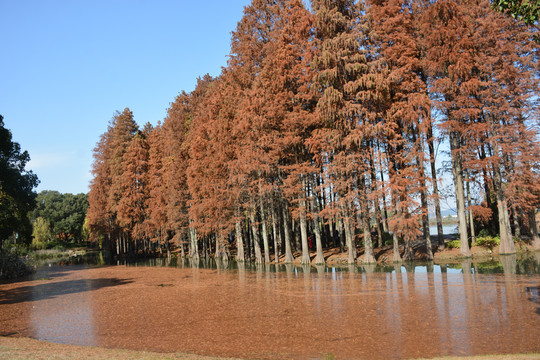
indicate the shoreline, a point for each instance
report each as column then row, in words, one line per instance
column 26, row 348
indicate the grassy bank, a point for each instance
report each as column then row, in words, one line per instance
column 26, row 349
column 29, row 349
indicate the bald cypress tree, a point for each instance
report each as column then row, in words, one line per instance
column 351, row 90
column 156, row 207
column 132, row 206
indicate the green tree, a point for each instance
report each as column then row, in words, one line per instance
column 17, row 197
column 527, row 11
column 64, row 212
column 41, row 233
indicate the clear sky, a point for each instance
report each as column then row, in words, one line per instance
column 67, row 66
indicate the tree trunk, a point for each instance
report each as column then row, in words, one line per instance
column 395, row 251
column 264, row 232
column 182, row 252
column 319, row 259
column 276, row 233
column 168, row 248
column 517, row 225
column 287, row 234
column 408, row 253
column 507, row 242
column 457, row 172
column 256, row 239
column 239, row 242
column 438, row 215
column 194, row 253
column 377, row 211
column 533, row 229
column 425, row 210
column 341, row 235
column 246, row 231
column 303, row 228
column 221, row 252
column 124, row 242
column 369, row 256
column 471, row 217
column 205, row 247
column 385, row 211
column 349, row 236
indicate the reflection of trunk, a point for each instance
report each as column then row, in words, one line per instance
column 509, row 263
column 303, row 227
column 240, row 257
column 457, row 172
column 466, row 266
column 256, row 239
column 507, row 243
column 287, row 232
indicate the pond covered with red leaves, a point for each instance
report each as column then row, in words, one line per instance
column 296, row 312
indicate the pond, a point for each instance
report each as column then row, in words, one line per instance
column 447, row 229
column 236, row 310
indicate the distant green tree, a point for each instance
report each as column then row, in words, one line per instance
column 65, row 213
column 41, row 233
column 17, row 197
column 527, row 11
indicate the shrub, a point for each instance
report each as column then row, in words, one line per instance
column 488, row 241
column 454, row 244
column 13, row 267
column 16, row 249
column 38, row 245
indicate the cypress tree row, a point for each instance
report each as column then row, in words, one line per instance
column 322, row 131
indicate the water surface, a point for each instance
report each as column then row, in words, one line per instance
column 247, row 311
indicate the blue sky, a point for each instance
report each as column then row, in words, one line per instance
column 67, row 66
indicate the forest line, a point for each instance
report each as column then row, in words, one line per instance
column 323, row 128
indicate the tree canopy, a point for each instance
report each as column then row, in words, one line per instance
column 17, row 197
column 323, row 129
column 64, row 212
